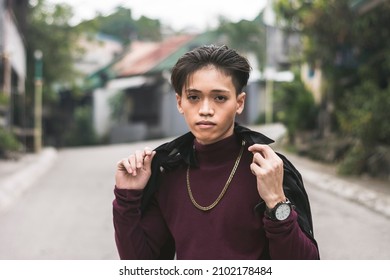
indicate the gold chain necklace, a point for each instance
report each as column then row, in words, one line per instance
column 211, row 206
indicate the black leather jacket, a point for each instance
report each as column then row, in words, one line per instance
column 180, row 151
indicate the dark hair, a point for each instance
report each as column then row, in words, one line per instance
column 223, row 58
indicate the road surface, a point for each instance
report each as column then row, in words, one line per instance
column 67, row 214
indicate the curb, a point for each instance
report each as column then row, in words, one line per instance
column 377, row 202
column 18, row 182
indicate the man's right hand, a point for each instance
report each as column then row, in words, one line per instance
column 133, row 173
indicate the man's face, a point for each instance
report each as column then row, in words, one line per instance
column 209, row 104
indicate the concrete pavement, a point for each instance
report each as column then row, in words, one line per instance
column 17, row 176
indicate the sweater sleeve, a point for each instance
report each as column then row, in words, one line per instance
column 287, row 241
column 137, row 236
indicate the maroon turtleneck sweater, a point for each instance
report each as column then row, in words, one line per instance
column 231, row 230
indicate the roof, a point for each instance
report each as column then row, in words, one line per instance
column 144, row 56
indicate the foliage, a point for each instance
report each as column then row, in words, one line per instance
column 246, row 36
column 365, row 119
column 354, row 161
column 116, row 103
column 49, row 31
column 352, row 48
column 4, row 99
column 123, row 27
column 294, row 106
column 81, row 132
column 365, row 114
column 8, row 141
column 148, row 29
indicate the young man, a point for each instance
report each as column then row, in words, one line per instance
column 217, row 192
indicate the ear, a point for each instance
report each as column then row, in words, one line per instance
column 178, row 101
column 240, row 102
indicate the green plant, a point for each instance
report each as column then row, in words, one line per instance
column 4, row 99
column 8, row 141
column 365, row 114
column 116, row 103
column 82, row 131
column 294, row 106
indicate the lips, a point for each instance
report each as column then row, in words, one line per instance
column 205, row 124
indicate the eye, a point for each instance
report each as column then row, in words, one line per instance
column 221, row 98
column 192, row 97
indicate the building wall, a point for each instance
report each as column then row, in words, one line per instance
column 312, row 78
column 14, row 49
column 173, row 123
column 102, row 110
column 255, row 102
column 1, row 25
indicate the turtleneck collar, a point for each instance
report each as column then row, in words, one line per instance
column 220, row 151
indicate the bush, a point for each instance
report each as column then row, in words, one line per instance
column 365, row 114
column 354, row 162
column 4, row 99
column 295, row 107
column 8, row 142
column 81, row 132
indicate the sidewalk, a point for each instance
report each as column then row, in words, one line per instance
column 17, row 176
column 372, row 193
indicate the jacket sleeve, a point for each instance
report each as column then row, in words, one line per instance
column 287, row 241
column 137, row 236
column 293, row 238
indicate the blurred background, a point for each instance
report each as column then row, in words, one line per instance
column 73, row 73
column 83, row 83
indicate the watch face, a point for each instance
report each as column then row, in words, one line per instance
column 282, row 212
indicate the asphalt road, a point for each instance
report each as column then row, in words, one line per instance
column 67, row 214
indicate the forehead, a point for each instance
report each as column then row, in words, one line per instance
column 209, row 75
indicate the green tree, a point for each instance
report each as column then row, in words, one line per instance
column 295, row 107
column 352, row 47
column 123, row 27
column 247, row 36
column 48, row 30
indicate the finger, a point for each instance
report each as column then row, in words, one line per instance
column 148, row 159
column 259, row 148
column 124, row 165
column 132, row 164
column 139, row 158
column 266, row 158
column 253, row 168
column 257, row 169
column 266, row 151
column 147, row 152
column 260, row 160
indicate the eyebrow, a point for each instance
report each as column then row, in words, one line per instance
column 193, row 90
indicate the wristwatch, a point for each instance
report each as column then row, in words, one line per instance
column 280, row 212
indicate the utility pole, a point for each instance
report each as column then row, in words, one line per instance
column 38, row 101
column 269, row 71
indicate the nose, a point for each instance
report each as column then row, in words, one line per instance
column 206, row 108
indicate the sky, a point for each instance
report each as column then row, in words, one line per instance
column 179, row 14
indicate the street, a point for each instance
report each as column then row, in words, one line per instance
column 67, row 214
